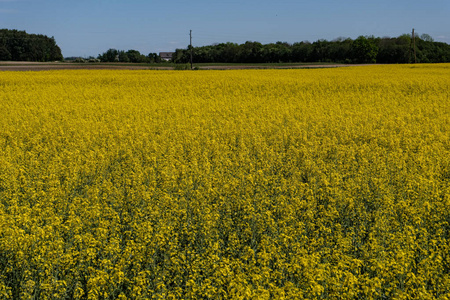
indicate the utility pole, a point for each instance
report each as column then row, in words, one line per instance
column 190, row 37
column 413, row 43
column 414, row 39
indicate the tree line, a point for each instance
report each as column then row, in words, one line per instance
column 18, row 45
column 132, row 56
column 364, row 49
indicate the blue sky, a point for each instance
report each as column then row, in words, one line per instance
column 87, row 28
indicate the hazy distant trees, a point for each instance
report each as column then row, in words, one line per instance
column 20, row 46
column 132, row 56
column 111, row 55
column 364, row 49
column 426, row 37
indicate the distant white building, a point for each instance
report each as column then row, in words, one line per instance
column 166, row 55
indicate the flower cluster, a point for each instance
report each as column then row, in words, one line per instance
column 249, row 184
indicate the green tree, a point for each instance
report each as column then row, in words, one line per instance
column 123, row 56
column 22, row 46
column 134, row 56
column 426, row 37
column 111, row 55
column 154, row 58
column 364, row 50
column 4, row 53
column 393, row 50
column 301, row 52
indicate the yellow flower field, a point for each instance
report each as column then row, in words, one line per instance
column 249, row 184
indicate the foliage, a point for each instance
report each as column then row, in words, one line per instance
column 4, row 53
column 112, row 55
column 364, row 50
column 21, row 46
column 395, row 50
column 133, row 56
column 154, row 58
column 182, row 67
column 251, row 184
column 343, row 50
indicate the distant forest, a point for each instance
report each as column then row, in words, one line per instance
column 130, row 56
column 343, row 50
column 18, row 45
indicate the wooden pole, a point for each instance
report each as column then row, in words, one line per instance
column 190, row 37
column 414, row 39
column 410, row 47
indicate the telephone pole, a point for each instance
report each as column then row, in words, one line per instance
column 414, row 38
column 190, row 37
column 413, row 42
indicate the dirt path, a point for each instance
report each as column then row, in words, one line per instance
column 28, row 66
column 272, row 67
column 36, row 66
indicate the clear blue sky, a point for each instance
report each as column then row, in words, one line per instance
column 87, row 28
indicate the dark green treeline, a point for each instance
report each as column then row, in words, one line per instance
column 18, row 45
column 343, row 50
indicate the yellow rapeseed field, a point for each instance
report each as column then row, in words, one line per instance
column 249, row 184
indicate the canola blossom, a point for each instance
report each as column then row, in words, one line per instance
column 240, row 184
